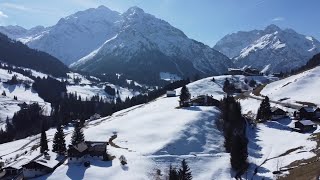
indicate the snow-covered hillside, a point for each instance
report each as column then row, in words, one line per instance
column 154, row 135
column 8, row 105
column 87, row 88
column 303, row 87
column 281, row 50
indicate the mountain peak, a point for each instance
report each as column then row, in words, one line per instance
column 134, row 10
column 272, row 28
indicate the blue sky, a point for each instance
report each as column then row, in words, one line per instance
column 204, row 20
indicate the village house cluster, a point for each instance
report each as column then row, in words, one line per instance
column 34, row 164
column 305, row 117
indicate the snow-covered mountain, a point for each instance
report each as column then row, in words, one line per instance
column 281, row 49
column 20, row 33
column 104, row 40
column 150, row 45
column 72, row 37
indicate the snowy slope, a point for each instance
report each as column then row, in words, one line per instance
column 154, row 135
column 280, row 49
column 143, row 38
column 302, row 87
column 8, row 106
column 87, row 88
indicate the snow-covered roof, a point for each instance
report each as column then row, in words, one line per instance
column 309, row 109
column 81, row 147
column 48, row 162
column 307, row 122
column 19, row 163
column 273, row 109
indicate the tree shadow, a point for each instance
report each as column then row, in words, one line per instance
column 11, row 88
column 100, row 163
column 125, row 167
column 254, row 151
column 76, row 171
column 192, row 108
column 280, row 124
column 197, row 135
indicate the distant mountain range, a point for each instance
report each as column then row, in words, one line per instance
column 141, row 46
column 272, row 48
column 17, row 54
column 134, row 43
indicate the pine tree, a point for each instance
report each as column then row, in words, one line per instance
column 4, row 93
column 77, row 136
column 173, row 174
column 43, row 140
column 184, row 95
column 264, row 112
column 59, row 144
column 239, row 153
column 10, row 129
column 184, row 172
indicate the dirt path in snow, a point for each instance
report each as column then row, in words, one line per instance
column 289, row 105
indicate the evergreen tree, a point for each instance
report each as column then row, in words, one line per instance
column 59, row 144
column 173, row 174
column 4, row 93
column 43, row 140
column 77, row 136
column 184, row 172
column 252, row 83
column 264, row 112
column 184, row 95
column 10, row 129
column 239, row 153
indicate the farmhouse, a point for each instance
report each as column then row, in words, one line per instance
column 252, row 72
column 171, row 93
column 305, row 125
column 204, row 100
column 278, row 113
column 42, row 165
column 77, row 152
column 82, row 150
column 232, row 71
column 15, row 168
column 309, row 112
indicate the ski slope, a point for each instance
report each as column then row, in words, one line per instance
column 302, row 87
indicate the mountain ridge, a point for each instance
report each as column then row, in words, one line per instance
column 281, row 49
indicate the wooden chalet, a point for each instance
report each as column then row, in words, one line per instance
column 204, row 100
column 171, row 93
column 305, row 125
column 87, row 148
column 309, row 112
column 77, row 152
column 97, row 149
column 232, row 71
column 252, row 72
column 42, row 165
column 278, row 113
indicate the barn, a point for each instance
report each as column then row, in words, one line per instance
column 278, row 113
column 305, row 125
column 204, row 100
column 42, row 165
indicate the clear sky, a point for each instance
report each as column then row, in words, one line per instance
column 204, row 20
